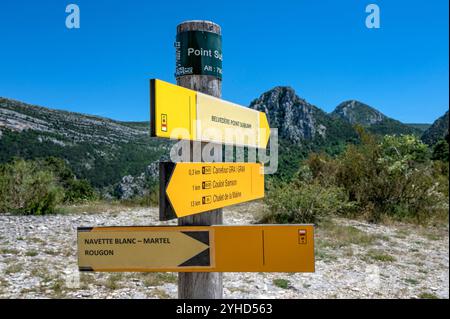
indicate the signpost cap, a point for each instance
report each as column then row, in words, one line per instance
column 199, row 25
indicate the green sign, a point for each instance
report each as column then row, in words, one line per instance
column 199, row 53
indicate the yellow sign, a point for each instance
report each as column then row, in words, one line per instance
column 180, row 113
column 256, row 248
column 192, row 188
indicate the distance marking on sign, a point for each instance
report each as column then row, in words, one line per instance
column 192, row 188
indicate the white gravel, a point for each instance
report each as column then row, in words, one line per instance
column 38, row 260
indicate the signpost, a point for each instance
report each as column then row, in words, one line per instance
column 201, row 285
column 258, row 248
column 180, row 113
column 198, row 52
column 192, row 188
column 200, row 248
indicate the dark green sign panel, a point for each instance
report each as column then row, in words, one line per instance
column 199, row 53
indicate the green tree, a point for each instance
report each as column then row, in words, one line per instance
column 441, row 150
column 76, row 190
column 392, row 176
column 27, row 189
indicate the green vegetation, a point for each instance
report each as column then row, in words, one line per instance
column 31, row 253
column 301, row 202
column 114, row 281
column 393, row 177
column 336, row 236
column 440, row 150
column 420, row 126
column 438, row 130
column 428, row 295
column 157, row 279
column 281, row 283
column 27, row 189
column 390, row 126
column 379, row 255
column 356, row 112
column 9, row 251
column 327, row 166
column 147, row 200
column 113, row 206
column 14, row 268
column 57, row 286
column 37, row 187
column 411, row 281
column 159, row 293
column 75, row 190
column 102, row 165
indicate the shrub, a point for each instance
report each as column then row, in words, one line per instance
column 441, row 150
column 79, row 190
column 391, row 177
column 302, row 203
column 27, row 189
column 151, row 198
column 76, row 190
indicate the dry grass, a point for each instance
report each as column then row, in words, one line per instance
column 94, row 207
column 152, row 279
column 104, row 206
column 114, row 281
column 31, row 253
column 14, row 268
column 161, row 294
column 8, row 251
column 379, row 255
column 332, row 235
column 428, row 295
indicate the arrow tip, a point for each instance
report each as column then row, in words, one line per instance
column 264, row 130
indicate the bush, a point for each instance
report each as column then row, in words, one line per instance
column 79, row 191
column 151, row 198
column 302, row 203
column 391, row 178
column 27, row 189
column 441, row 150
column 76, row 190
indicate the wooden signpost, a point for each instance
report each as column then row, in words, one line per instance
column 193, row 72
column 200, row 249
column 257, row 248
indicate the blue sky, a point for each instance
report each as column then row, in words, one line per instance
column 320, row 48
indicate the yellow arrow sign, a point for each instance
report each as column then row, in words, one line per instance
column 192, row 188
column 256, row 248
column 180, row 113
column 143, row 248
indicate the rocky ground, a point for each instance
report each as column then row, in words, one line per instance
column 353, row 260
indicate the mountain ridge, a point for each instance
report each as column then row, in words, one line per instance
column 438, row 130
column 296, row 119
column 105, row 151
column 356, row 112
column 98, row 149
